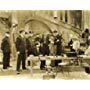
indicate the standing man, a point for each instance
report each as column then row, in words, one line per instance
column 58, row 44
column 44, row 50
column 21, row 51
column 6, row 48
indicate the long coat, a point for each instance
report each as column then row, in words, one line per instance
column 44, row 49
column 5, row 45
column 58, row 44
column 21, row 44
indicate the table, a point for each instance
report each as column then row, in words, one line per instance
column 49, row 58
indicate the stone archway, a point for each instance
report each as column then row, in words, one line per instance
column 38, row 25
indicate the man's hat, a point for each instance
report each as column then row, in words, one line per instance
column 8, row 32
column 30, row 32
column 21, row 31
column 55, row 31
column 87, row 30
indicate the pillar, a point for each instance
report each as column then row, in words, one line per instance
column 63, row 16
column 86, row 19
column 55, row 14
column 69, row 17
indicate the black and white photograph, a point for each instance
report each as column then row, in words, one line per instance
column 45, row 44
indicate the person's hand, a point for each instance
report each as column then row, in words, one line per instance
column 57, row 40
column 18, row 52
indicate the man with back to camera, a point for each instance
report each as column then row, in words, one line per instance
column 21, row 51
column 6, row 48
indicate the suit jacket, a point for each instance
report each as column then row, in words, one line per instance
column 28, row 44
column 5, row 45
column 58, row 37
column 44, row 49
column 58, row 44
column 21, row 44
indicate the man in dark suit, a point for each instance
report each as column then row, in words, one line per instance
column 6, row 48
column 30, row 45
column 21, row 50
column 44, row 50
column 58, row 43
column 70, row 43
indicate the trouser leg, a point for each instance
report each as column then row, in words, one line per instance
column 28, row 54
column 57, row 62
column 53, row 63
column 42, row 64
column 18, row 62
column 24, row 61
column 8, row 59
column 4, row 61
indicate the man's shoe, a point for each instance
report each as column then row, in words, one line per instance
column 25, row 69
column 18, row 72
column 9, row 66
column 42, row 68
column 4, row 68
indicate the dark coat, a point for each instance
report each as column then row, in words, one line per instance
column 31, row 49
column 58, row 44
column 5, row 45
column 21, row 44
column 58, row 37
column 85, row 37
column 44, row 49
column 35, row 52
column 28, row 46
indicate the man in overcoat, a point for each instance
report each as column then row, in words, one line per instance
column 6, row 49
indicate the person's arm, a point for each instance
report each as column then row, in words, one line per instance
column 2, row 45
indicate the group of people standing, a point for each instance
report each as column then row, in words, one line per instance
column 29, row 44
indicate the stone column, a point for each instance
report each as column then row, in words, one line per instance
column 86, row 19
column 69, row 17
column 63, row 15
column 55, row 14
